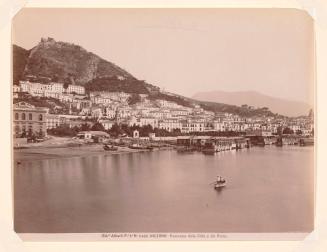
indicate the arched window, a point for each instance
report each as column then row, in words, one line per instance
column 16, row 116
column 23, row 116
column 30, row 116
column 40, row 117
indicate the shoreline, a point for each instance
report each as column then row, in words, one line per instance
column 45, row 153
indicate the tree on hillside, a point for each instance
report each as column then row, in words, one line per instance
column 134, row 98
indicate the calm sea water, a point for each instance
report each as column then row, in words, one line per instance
column 269, row 189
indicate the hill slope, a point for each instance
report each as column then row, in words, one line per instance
column 69, row 63
column 20, row 56
column 61, row 61
column 252, row 98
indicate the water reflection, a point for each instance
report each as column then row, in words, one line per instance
column 163, row 191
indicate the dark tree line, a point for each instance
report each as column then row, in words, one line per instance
column 65, row 130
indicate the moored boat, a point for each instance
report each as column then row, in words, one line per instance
column 107, row 147
column 137, row 146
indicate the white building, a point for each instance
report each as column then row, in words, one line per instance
column 75, row 89
column 52, row 89
column 170, row 124
column 193, row 125
column 144, row 121
column 52, row 121
column 107, row 124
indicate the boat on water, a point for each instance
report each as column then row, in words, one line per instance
column 219, row 183
column 137, row 146
column 107, row 147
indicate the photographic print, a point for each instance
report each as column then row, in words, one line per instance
column 163, row 122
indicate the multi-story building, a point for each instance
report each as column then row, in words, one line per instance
column 52, row 121
column 96, row 112
column 52, row 89
column 77, row 89
column 114, row 96
column 16, row 90
column 193, row 125
column 144, row 121
column 170, row 124
column 29, row 120
column 109, row 112
column 218, row 125
column 124, row 112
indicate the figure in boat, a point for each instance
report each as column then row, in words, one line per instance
column 219, row 183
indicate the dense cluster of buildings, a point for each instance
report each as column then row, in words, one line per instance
column 109, row 108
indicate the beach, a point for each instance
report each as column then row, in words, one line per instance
column 60, row 147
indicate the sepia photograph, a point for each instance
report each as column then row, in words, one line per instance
column 169, row 124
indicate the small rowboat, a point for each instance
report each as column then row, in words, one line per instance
column 219, row 183
column 106, row 147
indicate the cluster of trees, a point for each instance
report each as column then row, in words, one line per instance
column 244, row 111
column 113, row 84
column 65, row 130
column 125, row 130
column 115, row 131
column 287, row 131
column 134, row 98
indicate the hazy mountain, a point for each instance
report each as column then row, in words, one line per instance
column 252, row 98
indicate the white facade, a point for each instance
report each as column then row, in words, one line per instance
column 75, row 89
column 144, row 121
column 52, row 89
column 170, row 124
column 193, row 126
column 107, row 124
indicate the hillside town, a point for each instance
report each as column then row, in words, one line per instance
column 108, row 109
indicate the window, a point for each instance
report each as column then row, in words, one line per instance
column 16, row 116
column 40, row 117
column 23, row 116
column 30, row 116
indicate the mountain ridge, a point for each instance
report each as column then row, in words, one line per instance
column 71, row 64
column 256, row 99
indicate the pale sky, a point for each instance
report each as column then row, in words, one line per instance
column 190, row 50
